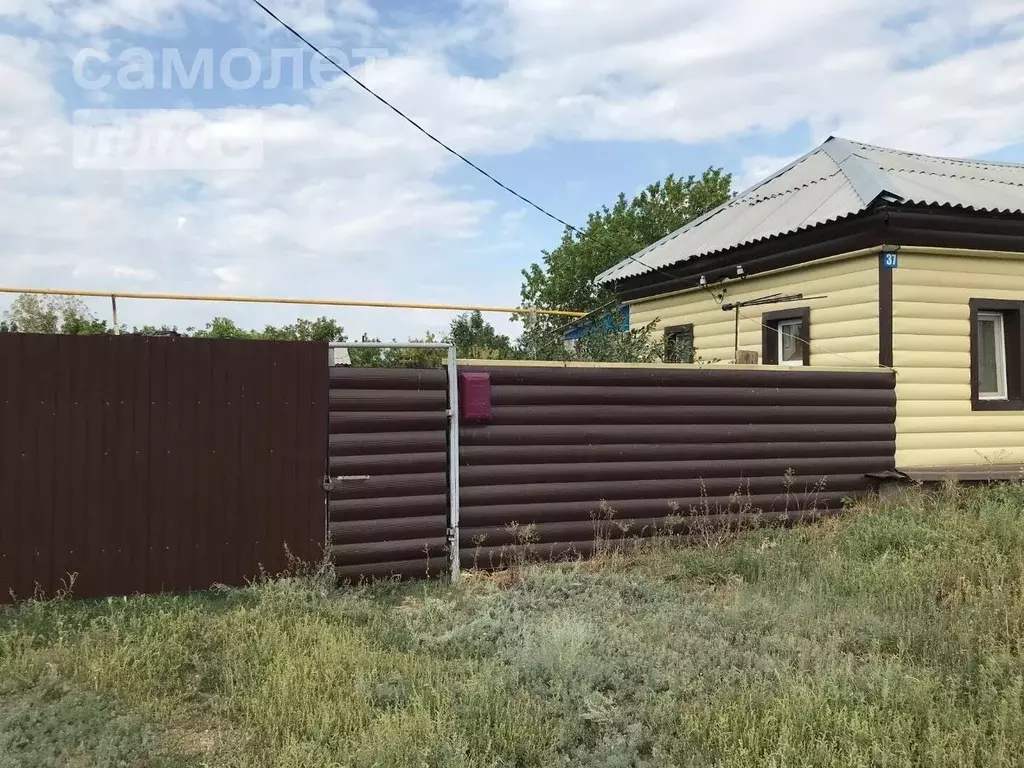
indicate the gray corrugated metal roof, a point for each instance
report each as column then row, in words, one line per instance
column 836, row 179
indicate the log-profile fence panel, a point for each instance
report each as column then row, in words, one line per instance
column 388, row 507
column 570, row 455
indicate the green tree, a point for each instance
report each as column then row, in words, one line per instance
column 565, row 279
column 390, row 357
column 474, row 337
column 321, row 329
column 221, row 328
column 637, row 345
column 163, row 330
column 30, row 313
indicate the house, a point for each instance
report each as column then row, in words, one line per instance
column 856, row 255
column 616, row 321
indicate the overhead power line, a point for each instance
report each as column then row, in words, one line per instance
column 312, row 46
column 410, row 121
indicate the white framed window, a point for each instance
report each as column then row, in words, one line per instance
column 997, row 355
column 790, row 351
column 785, row 337
column 991, row 340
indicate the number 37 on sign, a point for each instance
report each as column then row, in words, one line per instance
column 890, row 260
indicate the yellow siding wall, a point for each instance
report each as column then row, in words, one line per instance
column 844, row 325
column 931, row 352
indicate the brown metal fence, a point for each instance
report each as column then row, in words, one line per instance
column 389, row 504
column 157, row 464
column 556, row 458
column 581, row 454
column 164, row 464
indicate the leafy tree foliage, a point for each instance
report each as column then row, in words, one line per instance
column 565, row 279
column 637, row 345
column 475, row 338
column 390, row 357
column 321, row 329
column 29, row 313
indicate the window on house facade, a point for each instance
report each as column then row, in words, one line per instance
column 785, row 337
column 789, row 351
column 991, row 356
column 996, row 355
column 679, row 344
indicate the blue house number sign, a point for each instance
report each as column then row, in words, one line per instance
column 890, row 260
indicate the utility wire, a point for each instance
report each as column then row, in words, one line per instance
column 815, row 346
column 436, row 140
column 576, row 230
column 410, row 121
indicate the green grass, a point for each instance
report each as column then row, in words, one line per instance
column 891, row 637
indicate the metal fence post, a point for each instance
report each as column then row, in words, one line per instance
column 453, row 464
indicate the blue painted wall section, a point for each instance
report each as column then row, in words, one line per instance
column 617, row 321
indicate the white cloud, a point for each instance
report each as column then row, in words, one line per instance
column 351, row 202
column 93, row 17
column 99, row 17
column 334, row 211
column 229, row 275
column 314, row 17
column 29, row 11
column 689, row 72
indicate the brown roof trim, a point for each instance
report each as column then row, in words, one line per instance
column 884, row 313
column 904, row 225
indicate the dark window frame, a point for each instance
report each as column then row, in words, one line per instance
column 672, row 329
column 1013, row 338
column 770, row 333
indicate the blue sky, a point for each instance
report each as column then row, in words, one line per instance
column 569, row 101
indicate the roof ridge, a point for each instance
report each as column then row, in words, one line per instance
column 790, row 190
column 868, row 180
column 771, row 177
column 937, row 158
column 637, row 258
column 835, row 180
column 957, row 176
column 731, row 203
column 712, row 213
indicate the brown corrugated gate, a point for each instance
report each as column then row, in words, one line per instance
column 389, row 455
column 157, row 464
